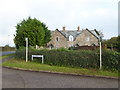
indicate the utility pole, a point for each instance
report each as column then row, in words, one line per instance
column 26, row 39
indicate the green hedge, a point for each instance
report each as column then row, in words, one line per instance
column 84, row 58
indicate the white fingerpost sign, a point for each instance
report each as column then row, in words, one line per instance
column 26, row 39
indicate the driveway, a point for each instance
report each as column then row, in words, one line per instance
column 26, row 79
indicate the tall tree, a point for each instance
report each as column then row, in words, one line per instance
column 47, row 34
column 33, row 29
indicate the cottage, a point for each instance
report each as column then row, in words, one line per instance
column 68, row 38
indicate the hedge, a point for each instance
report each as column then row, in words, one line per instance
column 74, row 58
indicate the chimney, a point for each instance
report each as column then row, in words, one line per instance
column 63, row 28
column 78, row 28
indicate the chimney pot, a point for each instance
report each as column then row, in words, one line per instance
column 63, row 28
column 78, row 28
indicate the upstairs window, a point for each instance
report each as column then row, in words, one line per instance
column 87, row 39
column 57, row 39
column 71, row 38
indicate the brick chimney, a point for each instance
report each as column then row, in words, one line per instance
column 78, row 29
column 63, row 28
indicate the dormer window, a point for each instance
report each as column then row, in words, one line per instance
column 71, row 38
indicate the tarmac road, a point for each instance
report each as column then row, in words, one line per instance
column 26, row 79
column 6, row 53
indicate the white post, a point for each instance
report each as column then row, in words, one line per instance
column 26, row 49
column 100, row 57
column 42, row 59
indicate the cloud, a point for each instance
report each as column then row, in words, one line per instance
column 99, row 14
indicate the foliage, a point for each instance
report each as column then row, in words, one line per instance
column 111, row 43
column 118, row 45
column 47, row 34
column 36, row 32
column 8, row 48
column 62, row 49
column 72, row 48
column 83, row 58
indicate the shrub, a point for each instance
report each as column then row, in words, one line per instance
column 74, row 58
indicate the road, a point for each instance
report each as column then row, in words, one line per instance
column 25, row 79
column 6, row 53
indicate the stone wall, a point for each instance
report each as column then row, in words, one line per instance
column 58, row 40
column 86, row 38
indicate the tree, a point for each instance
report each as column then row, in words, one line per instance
column 47, row 34
column 111, row 43
column 34, row 30
column 118, row 44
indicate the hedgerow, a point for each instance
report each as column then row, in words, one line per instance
column 74, row 58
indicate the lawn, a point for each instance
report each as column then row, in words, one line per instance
column 43, row 67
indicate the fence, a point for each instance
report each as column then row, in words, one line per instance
column 88, row 47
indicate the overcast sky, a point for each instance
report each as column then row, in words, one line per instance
column 92, row 14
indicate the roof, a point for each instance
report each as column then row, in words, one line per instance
column 93, row 32
column 75, row 33
column 67, row 33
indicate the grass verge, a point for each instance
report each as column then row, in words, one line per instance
column 43, row 67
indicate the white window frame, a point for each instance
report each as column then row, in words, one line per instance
column 88, row 39
column 71, row 38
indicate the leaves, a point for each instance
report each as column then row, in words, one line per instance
column 36, row 32
column 83, row 58
column 112, row 43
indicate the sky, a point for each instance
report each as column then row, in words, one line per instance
column 92, row 14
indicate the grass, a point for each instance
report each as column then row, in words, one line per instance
column 43, row 67
column 5, row 56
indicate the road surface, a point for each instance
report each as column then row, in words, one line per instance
column 6, row 53
column 25, row 79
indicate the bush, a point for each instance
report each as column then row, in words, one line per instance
column 82, row 58
column 8, row 48
column 111, row 60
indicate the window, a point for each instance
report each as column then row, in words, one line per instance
column 87, row 39
column 71, row 38
column 56, row 38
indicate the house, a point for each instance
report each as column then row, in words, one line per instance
column 68, row 38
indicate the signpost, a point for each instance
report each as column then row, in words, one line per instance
column 100, row 39
column 38, row 56
column 100, row 57
column 26, row 39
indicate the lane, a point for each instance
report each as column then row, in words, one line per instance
column 25, row 79
column 6, row 53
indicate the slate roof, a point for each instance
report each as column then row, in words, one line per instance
column 75, row 33
column 67, row 33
